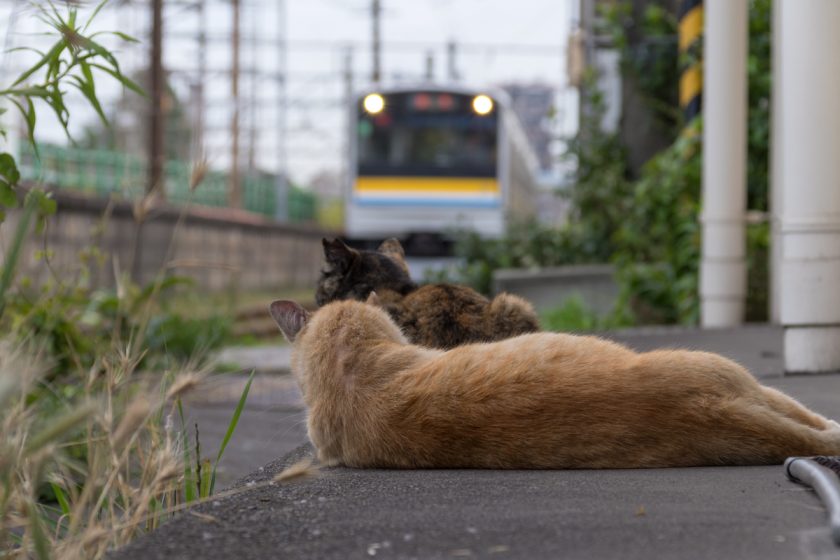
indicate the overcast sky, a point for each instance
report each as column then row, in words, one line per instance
column 411, row 29
column 499, row 41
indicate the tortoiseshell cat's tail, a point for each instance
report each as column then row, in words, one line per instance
column 512, row 315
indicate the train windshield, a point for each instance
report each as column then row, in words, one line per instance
column 427, row 134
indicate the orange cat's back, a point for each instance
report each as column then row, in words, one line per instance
column 536, row 401
column 562, row 401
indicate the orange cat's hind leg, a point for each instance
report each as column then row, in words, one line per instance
column 772, row 427
column 787, row 406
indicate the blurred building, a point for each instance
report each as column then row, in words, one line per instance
column 537, row 105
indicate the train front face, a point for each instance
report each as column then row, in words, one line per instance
column 427, row 163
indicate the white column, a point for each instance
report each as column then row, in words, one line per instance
column 775, row 176
column 808, row 81
column 723, row 270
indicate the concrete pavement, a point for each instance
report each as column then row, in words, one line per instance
column 272, row 358
column 725, row 512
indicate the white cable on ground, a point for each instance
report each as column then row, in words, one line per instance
column 822, row 474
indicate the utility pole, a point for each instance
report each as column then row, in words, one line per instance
column 452, row 54
column 348, row 75
column 281, row 186
column 234, row 189
column 198, row 126
column 156, row 136
column 347, row 160
column 430, row 66
column 376, row 12
column 253, row 133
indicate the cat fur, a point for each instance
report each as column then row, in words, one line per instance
column 542, row 400
column 434, row 315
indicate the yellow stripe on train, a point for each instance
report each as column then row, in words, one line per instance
column 427, row 184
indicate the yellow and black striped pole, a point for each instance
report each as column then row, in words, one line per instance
column 691, row 58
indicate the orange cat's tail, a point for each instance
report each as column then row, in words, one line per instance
column 511, row 314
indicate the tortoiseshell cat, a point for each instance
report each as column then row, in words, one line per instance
column 434, row 315
column 542, row 400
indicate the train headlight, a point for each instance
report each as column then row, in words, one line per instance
column 482, row 104
column 373, row 103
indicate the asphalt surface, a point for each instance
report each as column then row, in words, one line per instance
column 272, row 423
column 708, row 513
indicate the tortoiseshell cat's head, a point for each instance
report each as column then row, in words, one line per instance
column 352, row 274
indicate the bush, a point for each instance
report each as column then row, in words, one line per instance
column 648, row 227
column 658, row 244
column 90, row 454
column 524, row 245
column 572, row 315
column 76, row 325
column 183, row 338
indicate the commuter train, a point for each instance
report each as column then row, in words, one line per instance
column 428, row 161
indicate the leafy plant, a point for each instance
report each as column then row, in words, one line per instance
column 75, row 323
column 180, row 338
column 70, row 61
column 648, row 47
column 89, row 456
column 524, row 245
column 601, row 191
column 760, row 79
column 649, row 227
column 658, row 244
column 572, row 316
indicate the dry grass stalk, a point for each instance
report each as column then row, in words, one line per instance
column 298, row 471
column 132, row 473
column 183, row 384
column 133, row 419
column 207, row 518
column 199, row 172
column 142, row 207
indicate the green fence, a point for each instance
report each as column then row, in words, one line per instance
column 104, row 172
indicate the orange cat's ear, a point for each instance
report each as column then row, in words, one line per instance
column 373, row 299
column 289, row 316
column 338, row 254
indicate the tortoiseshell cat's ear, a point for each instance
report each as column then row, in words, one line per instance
column 373, row 299
column 338, row 255
column 392, row 248
column 289, row 316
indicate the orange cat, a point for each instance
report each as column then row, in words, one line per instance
column 534, row 401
